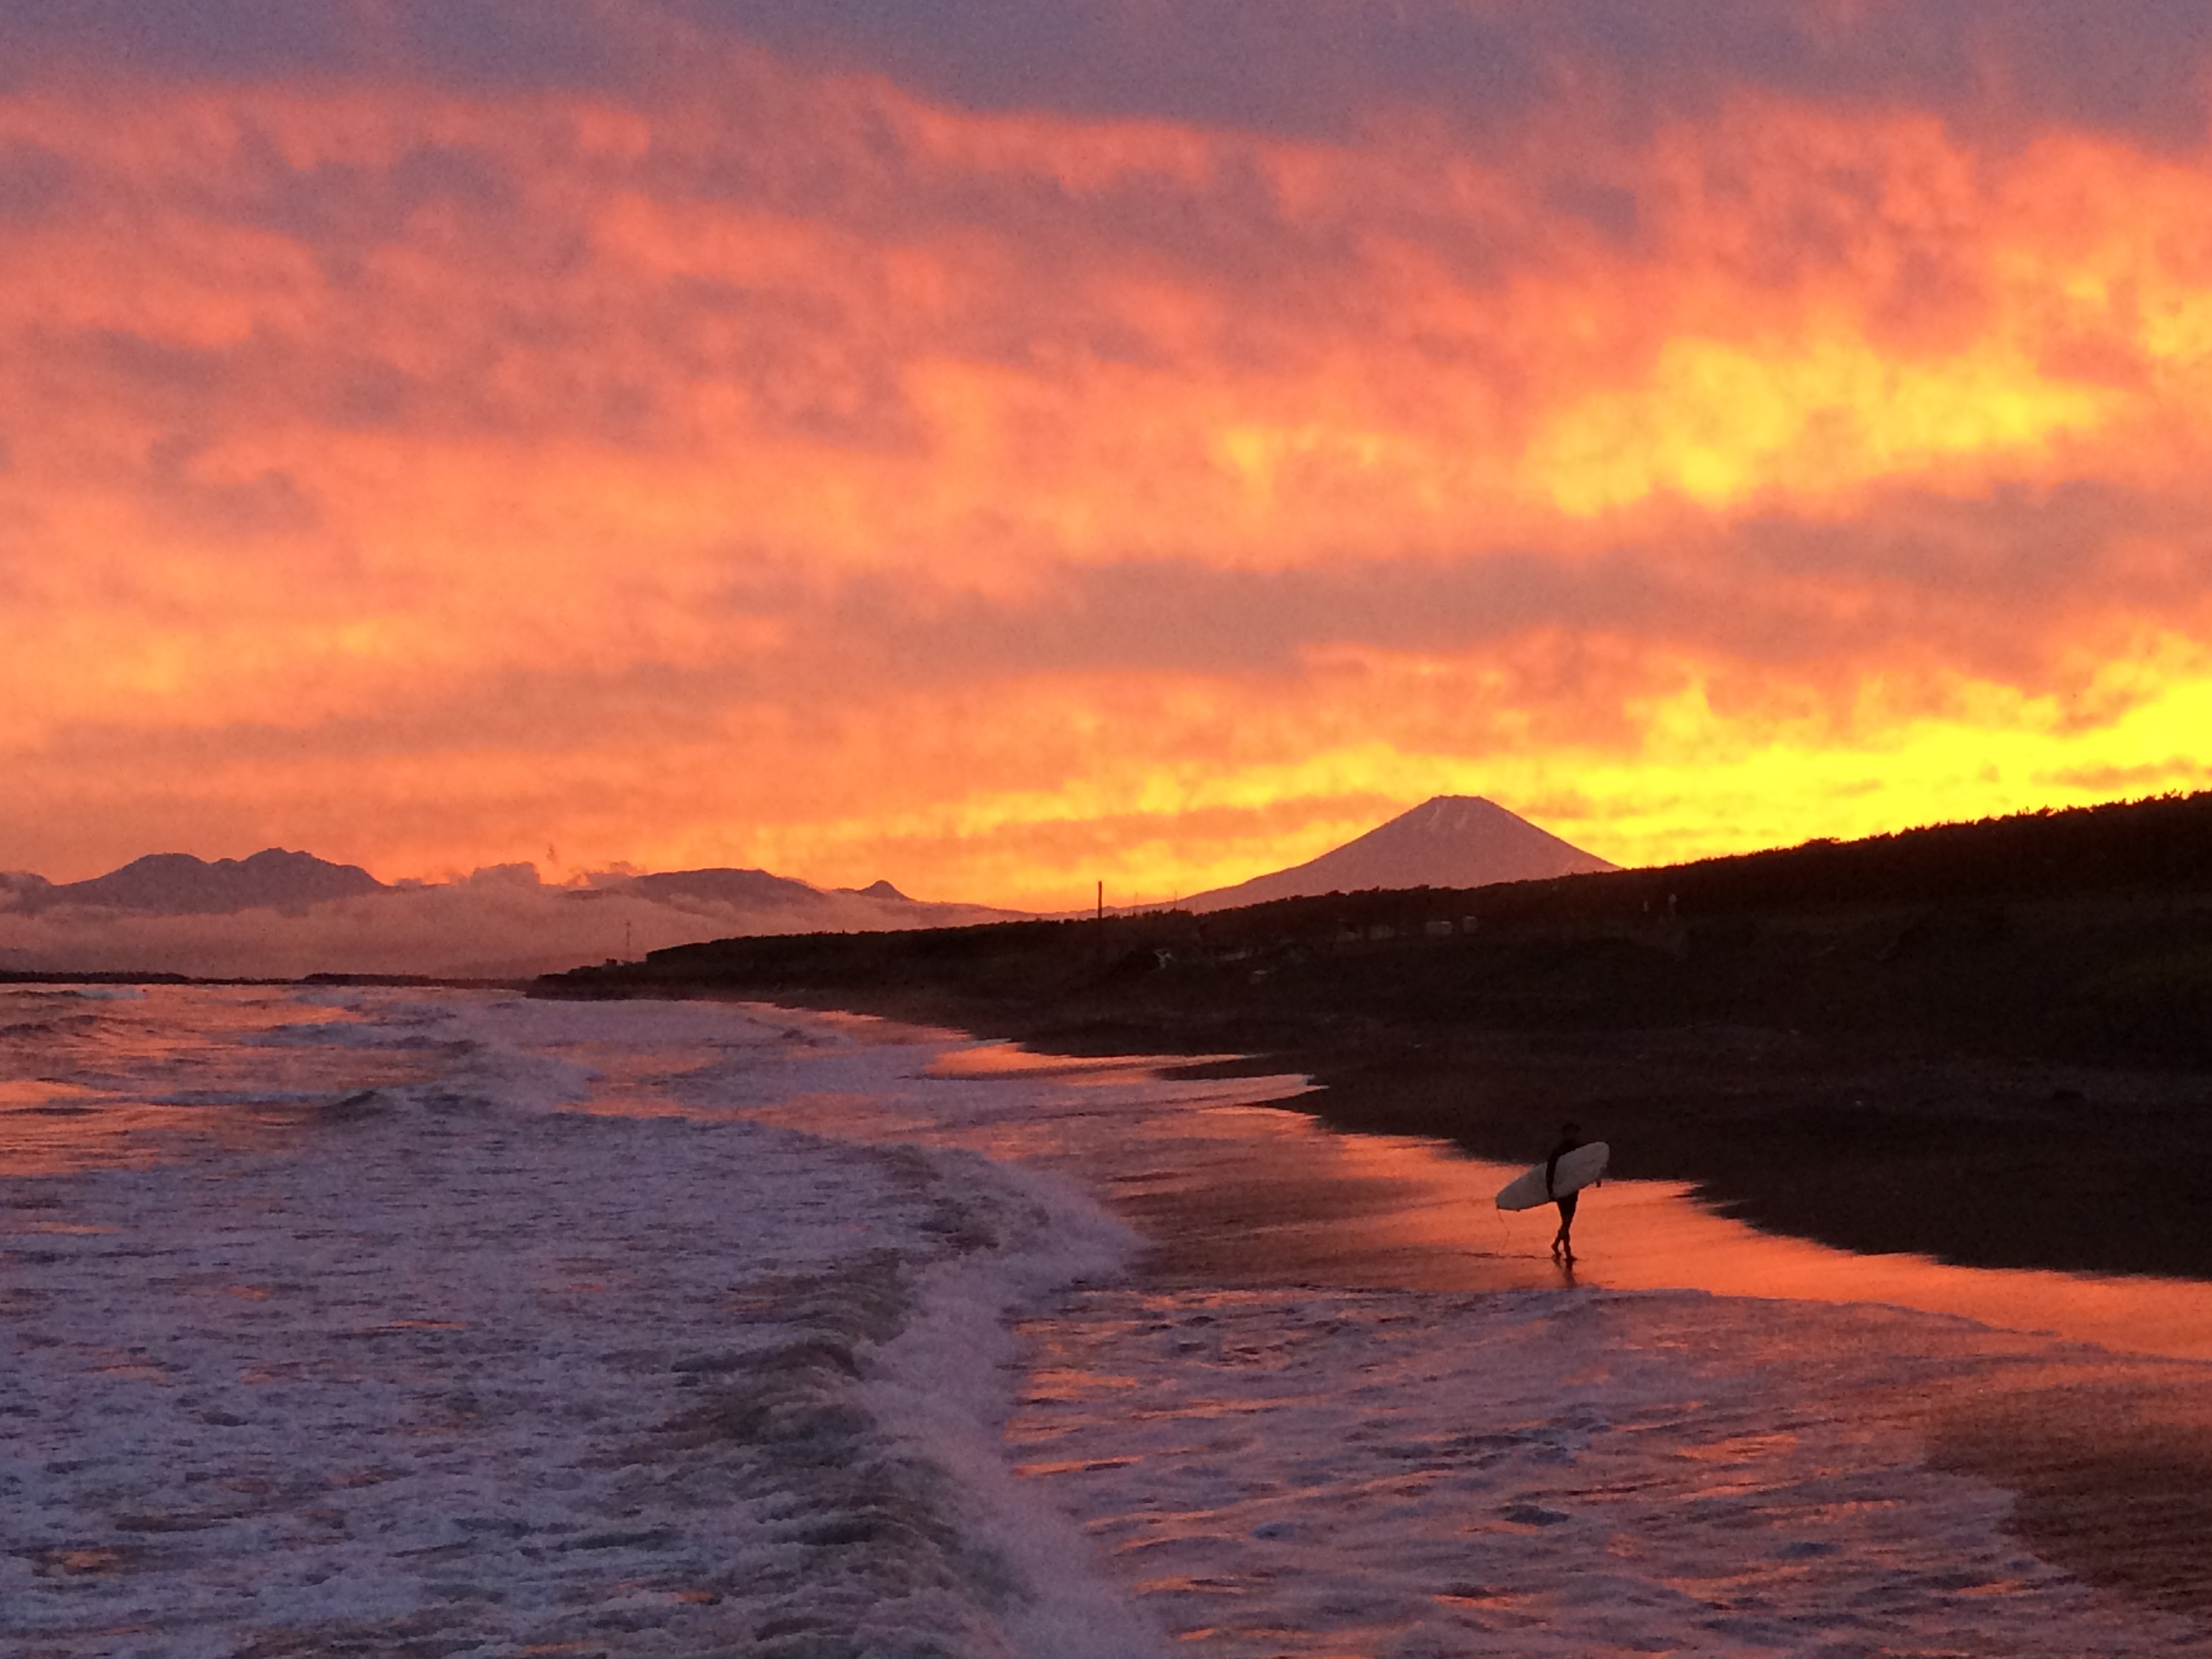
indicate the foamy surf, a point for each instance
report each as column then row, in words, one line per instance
column 444, row 1367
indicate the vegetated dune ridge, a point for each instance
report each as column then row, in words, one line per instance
column 1991, row 1042
column 284, row 915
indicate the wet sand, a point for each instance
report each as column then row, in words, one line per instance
column 2111, row 1474
column 1292, row 1202
column 2096, row 1416
column 2109, row 1458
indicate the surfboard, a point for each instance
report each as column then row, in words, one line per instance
column 1576, row 1170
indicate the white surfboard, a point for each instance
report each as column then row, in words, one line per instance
column 1576, row 1170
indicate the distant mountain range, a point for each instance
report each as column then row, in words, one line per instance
column 178, row 885
column 1449, row 840
column 281, row 915
column 748, row 888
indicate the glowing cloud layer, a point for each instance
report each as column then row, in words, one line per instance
column 728, row 435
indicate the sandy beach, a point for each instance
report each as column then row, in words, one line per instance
column 2107, row 1450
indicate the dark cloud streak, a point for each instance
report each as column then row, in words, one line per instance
column 178, row 39
column 1911, row 579
column 1322, row 67
column 34, row 186
column 1316, row 68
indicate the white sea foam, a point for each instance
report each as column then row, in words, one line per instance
column 1314, row 1471
column 508, row 1378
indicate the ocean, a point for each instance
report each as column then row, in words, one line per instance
column 381, row 1322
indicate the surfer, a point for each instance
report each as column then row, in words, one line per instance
column 1563, row 1250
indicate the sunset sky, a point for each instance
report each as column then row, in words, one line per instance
column 997, row 445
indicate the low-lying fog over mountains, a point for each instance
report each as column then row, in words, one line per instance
column 285, row 915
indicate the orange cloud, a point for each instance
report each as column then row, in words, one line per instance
column 824, row 477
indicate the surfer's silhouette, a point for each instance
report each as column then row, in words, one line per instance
column 1563, row 1249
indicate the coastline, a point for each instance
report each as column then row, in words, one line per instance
column 2003, row 1170
column 2017, row 1086
column 2081, row 1398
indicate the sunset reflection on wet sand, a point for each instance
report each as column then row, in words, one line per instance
column 1255, row 1195
column 2074, row 1394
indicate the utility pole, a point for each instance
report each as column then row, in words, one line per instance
column 1101, row 900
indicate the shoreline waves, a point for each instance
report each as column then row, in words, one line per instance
column 353, row 1321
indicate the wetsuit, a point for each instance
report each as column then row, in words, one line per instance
column 1564, row 1200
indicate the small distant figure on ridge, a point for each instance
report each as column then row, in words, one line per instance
column 1563, row 1249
